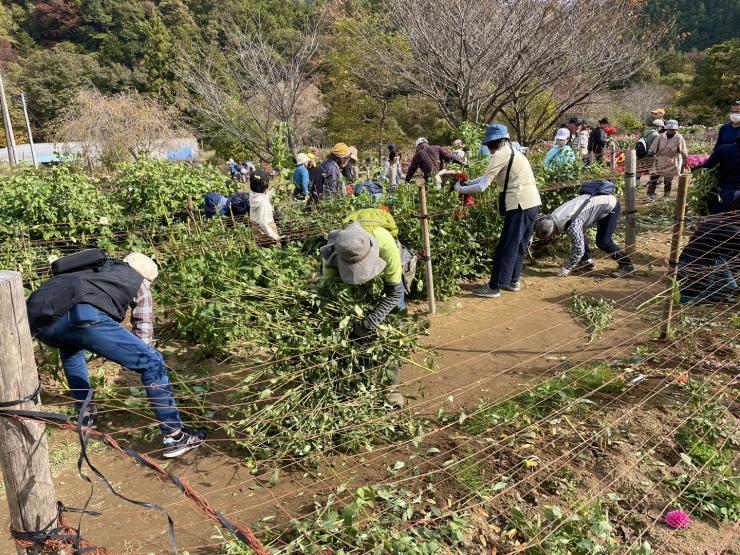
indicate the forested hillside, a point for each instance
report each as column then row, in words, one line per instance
column 356, row 81
column 703, row 22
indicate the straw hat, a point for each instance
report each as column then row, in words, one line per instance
column 143, row 265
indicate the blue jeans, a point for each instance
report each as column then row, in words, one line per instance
column 100, row 334
column 512, row 246
column 604, row 232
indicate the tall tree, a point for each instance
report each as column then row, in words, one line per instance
column 485, row 60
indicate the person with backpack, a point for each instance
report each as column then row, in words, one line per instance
column 519, row 202
column 363, row 250
column 597, row 141
column 329, row 180
column 596, row 205
column 669, row 154
column 652, row 132
column 560, row 153
column 81, row 307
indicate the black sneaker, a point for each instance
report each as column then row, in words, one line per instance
column 181, row 443
column 624, row 270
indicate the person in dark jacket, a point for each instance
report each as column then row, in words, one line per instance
column 730, row 131
column 597, row 141
column 81, row 310
column 710, row 263
column 430, row 159
column 727, row 157
column 329, row 179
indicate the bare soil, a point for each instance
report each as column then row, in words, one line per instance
column 486, row 349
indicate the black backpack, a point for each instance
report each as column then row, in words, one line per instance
column 88, row 259
column 641, row 148
column 239, row 204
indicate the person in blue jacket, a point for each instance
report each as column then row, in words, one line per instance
column 560, row 153
column 300, row 177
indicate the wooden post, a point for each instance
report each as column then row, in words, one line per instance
column 630, row 202
column 679, row 214
column 24, row 455
column 613, row 161
column 427, row 247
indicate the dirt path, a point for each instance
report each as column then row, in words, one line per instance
column 486, row 349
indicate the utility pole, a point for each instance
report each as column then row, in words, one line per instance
column 9, row 138
column 28, row 128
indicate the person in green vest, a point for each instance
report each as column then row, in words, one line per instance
column 362, row 251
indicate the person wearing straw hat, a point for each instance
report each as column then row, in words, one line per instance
column 350, row 171
column 560, row 153
column 301, row 178
column 519, row 202
column 669, row 154
column 358, row 256
column 81, row 308
column 329, row 180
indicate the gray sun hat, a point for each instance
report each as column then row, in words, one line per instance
column 355, row 253
column 545, row 227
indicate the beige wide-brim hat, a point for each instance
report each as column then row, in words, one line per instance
column 301, row 159
column 355, row 253
column 143, row 264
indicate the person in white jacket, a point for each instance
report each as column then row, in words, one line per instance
column 260, row 210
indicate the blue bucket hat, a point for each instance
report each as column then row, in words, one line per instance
column 494, row 132
column 215, row 203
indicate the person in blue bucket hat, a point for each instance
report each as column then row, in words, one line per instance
column 519, row 202
column 215, row 204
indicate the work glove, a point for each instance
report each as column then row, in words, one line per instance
column 360, row 332
column 564, row 272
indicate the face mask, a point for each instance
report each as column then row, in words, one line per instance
column 670, row 133
column 735, row 117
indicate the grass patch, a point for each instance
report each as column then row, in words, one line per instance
column 709, row 439
column 573, row 388
column 596, row 312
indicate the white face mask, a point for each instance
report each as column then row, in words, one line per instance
column 735, row 117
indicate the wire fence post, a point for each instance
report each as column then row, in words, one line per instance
column 613, row 162
column 630, row 202
column 24, row 456
column 424, row 218
column 678, row 219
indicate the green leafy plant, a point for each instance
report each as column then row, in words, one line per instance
column 597, row 313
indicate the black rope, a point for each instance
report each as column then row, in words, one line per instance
column 35, row 397
column 82, row 433
column 56, row 532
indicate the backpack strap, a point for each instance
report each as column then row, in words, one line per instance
column 577, row 213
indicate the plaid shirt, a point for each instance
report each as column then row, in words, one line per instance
column 142, row 314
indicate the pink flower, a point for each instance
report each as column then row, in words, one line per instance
column 695, row 160
column 677, row 519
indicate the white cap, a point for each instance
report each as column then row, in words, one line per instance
column 671, row 124
column 562, row 134
column 421, row 140
column 659, row 122
column 143, row 264
column 301, row 159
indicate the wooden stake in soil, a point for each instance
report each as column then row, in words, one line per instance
column 24, row 455
column 678, row 218
column 424, row 216
column 613, row 161
column 630, row 202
